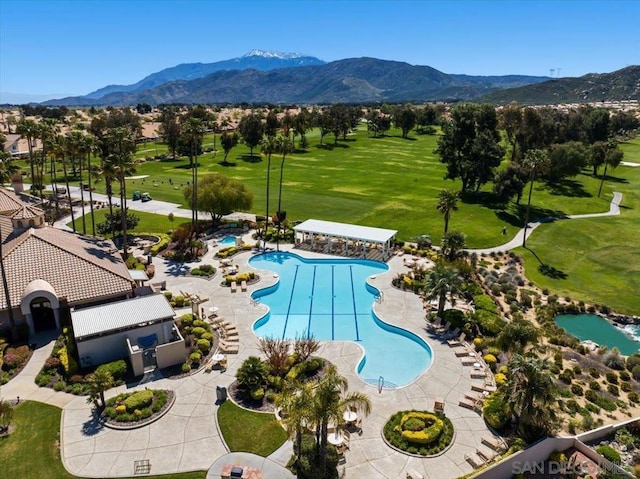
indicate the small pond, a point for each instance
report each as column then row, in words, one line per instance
column 599, row 330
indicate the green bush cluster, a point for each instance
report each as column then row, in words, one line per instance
column 495, row 411
column 138, row 400
column 136, row 406
column 609, row 453
column 226, row 252
column 161, row 245
column 117, row 369
column 434, row 438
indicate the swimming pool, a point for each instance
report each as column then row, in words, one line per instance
column 227, row 241
column 331, row 300
column 593, row 327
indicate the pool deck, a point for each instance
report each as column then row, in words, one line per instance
column 187, row 438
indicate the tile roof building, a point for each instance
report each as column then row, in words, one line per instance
column 48, row 271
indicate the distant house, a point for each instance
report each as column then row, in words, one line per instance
column 51, row 273
column 15, row 145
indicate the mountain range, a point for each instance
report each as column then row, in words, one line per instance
column 268, row 77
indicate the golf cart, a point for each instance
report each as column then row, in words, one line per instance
column 145, row 197
column 136, row 195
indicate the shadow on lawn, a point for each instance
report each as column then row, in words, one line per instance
column 251, row 158
column 567, row 187
column 515, row 216
column 548, row 270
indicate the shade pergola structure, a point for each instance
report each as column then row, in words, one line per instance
column 344, row 239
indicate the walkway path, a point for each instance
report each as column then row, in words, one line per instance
column 614, row 209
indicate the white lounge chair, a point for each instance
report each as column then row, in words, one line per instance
column 243, row 286
column 458, row 341
column 234, row 286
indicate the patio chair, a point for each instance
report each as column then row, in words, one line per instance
column 478, row 374
column 485, row 454
column 468, row 403
column 493, row 442
column 482, row 388
column 234, row 286
column 469, row 360
column 451, row 334
column 458, row 341
column 243, row 286
column 464, row 352
column 474, row 460
column 437, row 324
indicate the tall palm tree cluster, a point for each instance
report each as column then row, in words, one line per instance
column 311, row 408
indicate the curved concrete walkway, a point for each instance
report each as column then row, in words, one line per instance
column 516, row 242
column 269, row 468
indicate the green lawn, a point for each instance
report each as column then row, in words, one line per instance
column 595, row 260
column 247, row 431
column 387, row 182
column 32, row 450
column 149, row 223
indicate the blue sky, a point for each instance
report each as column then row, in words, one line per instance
column 74, row 47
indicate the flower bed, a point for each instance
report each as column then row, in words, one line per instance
column 12, row 360
column 421, row 433
column 137, row 408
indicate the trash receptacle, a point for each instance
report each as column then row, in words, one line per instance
column 221, row 393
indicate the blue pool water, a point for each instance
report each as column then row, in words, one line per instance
column 228, row 241
column 331, row 300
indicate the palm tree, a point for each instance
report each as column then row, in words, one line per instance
column 76, row 142
column 28, row 129
column 453, row 245
column 89, row 148
column 60, row 150
column 284, row 146
column 612, row 158
column 531, row 395
column 296, row 405
column 268, row 147
column 99, row 382
column 534, row 161
column 447, row 202
column 107, row 172
column 330, row 401
column 444, row 281
column 121, row 149
column 252, row 373
column 193, row 132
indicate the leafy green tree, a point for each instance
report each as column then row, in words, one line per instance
column 443, row 281
column 378, row 123
column 566, row 159
column 531, row 396
column 228, row 141
column 404, row 117
column 8, row 168
column 339, row 121
column 218, row 195
column 509, row 182
column 447, row 202
column 251, row 130
column 113, row 222
column 470, row 145
column 596, row 123
column 302, row 124
column 99, row 382
column 510, row 120
column 170, row 131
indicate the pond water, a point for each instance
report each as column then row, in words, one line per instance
column 593, row 327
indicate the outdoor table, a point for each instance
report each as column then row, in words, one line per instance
column 217, row 357
column 214, row 310
column 335, row 438
column 350, row 416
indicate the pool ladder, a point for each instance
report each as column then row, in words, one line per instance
column 380, row 297
column 255, row 302
column 380, row 384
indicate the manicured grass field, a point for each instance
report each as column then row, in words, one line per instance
column 32, row 450
column 260, row 433
column 149, row 223
column 595, row 260
column 387, row 182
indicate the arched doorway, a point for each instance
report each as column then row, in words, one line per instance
column 42, row 315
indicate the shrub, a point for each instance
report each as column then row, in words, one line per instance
column 577, row 389
column 633, row 361
column 203, row 345
column 195, row 357
column 612, row 378
column 609, row 453
column 614, row 360
column 43, row 379
column 208, row 337
column 179, row 300
column 633, row 397
column 501, row 379
column 595, row 373
column 495, row 412
column 198, row 332
column 118, row 369
column 478, row 343
column 59, row 386
column 624, row 375
column 613, row 389
column 161, row 245
column 68, row 363
column 490, row 359
column 76, row 379
column 485, row 303
column 594, row 385
column 186, row 368
column 625, row 386
column 187, row 319
column 635, row 372
column 139, row 400
column 257, row 394
column 52, row 363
